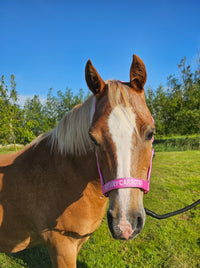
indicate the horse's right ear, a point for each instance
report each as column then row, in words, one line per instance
column 93, row 79
column 138, row 74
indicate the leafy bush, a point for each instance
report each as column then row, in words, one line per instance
column 181, row 143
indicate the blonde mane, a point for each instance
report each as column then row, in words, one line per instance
column 70, row 136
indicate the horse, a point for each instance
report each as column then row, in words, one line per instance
column 51, row 192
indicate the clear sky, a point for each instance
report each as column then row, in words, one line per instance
column 46, row 43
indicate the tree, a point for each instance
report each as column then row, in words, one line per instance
column 11, row 115
column 67, row 100
column 50, row 110
column 33, row 118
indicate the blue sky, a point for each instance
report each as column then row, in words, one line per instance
column 46, row 43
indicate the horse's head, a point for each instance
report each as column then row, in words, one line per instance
column 122, row 130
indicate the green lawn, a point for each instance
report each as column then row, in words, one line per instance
column 173, row 242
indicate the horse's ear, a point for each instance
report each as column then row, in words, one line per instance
column 93, row 79
column 138, row 74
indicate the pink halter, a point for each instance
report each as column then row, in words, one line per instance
column 125, row 182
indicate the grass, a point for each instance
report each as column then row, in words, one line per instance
column 169, row 243
column 10, row 148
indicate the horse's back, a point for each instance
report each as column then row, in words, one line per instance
column 7, row 159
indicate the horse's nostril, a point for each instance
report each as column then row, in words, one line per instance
column 110, row 222
column 109, row 217
column 139, row 225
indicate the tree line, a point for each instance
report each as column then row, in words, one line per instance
column 21, row 124
column 175, row 108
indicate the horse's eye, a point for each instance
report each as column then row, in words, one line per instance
column 93, row 139
column 149, row 135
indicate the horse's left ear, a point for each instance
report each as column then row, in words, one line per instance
column 93, row 79
column 138, row 74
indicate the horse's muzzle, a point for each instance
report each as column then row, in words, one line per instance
column 126, row 230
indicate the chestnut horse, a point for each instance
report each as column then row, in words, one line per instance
column 50, row 192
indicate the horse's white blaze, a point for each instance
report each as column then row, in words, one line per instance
column 122, row 125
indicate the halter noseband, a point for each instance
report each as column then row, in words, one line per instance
column 125, row 182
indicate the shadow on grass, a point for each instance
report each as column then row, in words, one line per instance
column 81, row 265
column 37, row 257
column 33, row 258
column 198, row 241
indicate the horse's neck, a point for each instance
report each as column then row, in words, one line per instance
column 80, row 167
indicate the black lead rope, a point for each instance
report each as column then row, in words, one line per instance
column 167, row 215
